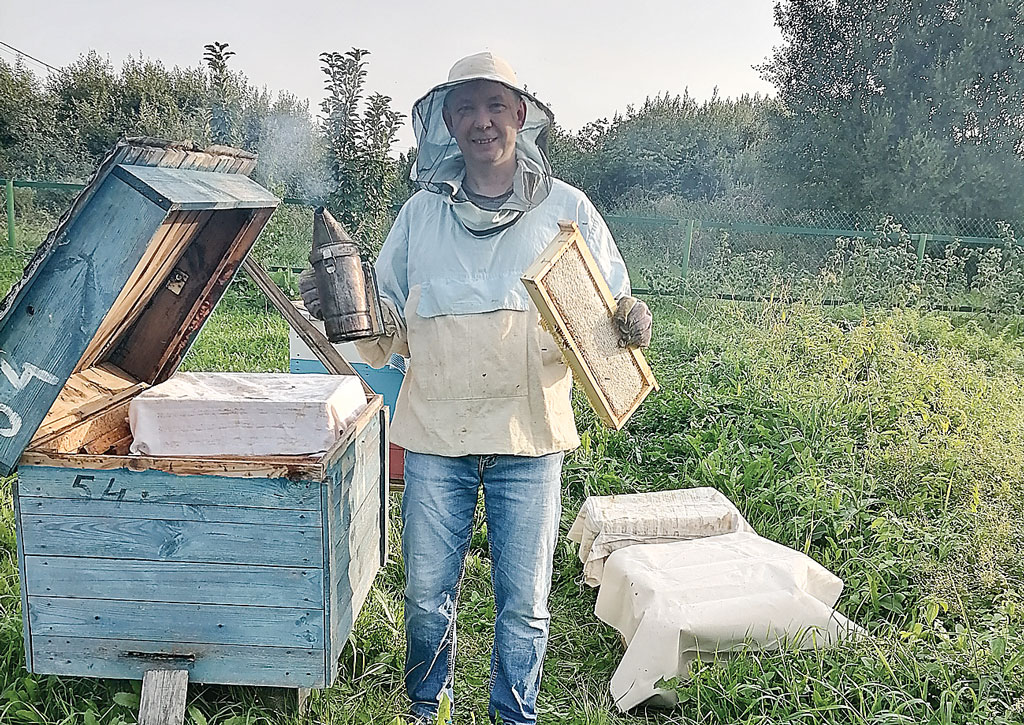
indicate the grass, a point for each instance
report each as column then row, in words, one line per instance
column 886, row 445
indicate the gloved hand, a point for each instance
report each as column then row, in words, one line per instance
column 633, row 319
column 310, row 294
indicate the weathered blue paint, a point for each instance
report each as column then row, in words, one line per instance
column 160, row 487
column 385, row 491
column 249, row 581
column 32, row 505
column 188, row 189
column 55, row 317
column 330, row 667
column 352, row 526
column 211, row 663
column 177, row 622
column 198, row 541
column 173, row 581
column 26, row 631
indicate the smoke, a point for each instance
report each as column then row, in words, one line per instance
column 291, row 155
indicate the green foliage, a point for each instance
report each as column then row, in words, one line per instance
column 900, row 106
column 359, row 138
column 223, row 94
column 672, row 146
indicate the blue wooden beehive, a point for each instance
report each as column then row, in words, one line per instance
column 240, row 570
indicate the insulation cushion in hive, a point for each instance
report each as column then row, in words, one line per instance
column 608, row 523
column 244, row 414
column 705, row 598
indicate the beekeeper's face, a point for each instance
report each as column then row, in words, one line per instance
column 484, row 118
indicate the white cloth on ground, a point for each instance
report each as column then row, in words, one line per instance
column 679, row 601
column 608, row 523
column 244, row 414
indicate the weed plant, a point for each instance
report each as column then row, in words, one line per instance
column 883, row 441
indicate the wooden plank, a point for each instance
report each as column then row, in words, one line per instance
column 172, row 581
column 125, row 509
column 161, row 487
column 173, row 622
column 163, row 697
column 106, row 427
column 86, row 393
column 385, row 486
column 357, row 521
column 26, row 630
column 571, row 294
column 211, row 293
column 148, row 278
column 314, row 339
column 352, row 528
column 366, row 417
column 184, row 189
column 57, row 315
column 167, row 319
column 353, row 479
column 264, row 467
column 349, row 593
column 114, row 316
column 355, row 561
column 128, row 659
column 330, row 655
column 212, row 542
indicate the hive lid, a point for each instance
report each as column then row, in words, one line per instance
column 128, row 276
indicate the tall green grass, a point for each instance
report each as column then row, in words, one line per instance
column 884, row 444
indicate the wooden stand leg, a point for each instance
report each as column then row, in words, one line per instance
column 303, row 701
column 163, row 697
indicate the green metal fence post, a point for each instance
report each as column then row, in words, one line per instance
column 10, row 214
column 687, row 244
column 922, row 240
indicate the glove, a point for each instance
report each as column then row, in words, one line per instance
column 633, row 319
column 310, row 294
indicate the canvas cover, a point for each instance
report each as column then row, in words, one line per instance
column 244, row 414
column 608, row 523
column 676, row 602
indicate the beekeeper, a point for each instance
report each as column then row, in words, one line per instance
column 486, row 400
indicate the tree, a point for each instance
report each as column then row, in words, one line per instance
column 898, row 106
column 672, row 146
column 358, row 145
column 224, row 94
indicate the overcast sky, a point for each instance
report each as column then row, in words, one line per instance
column 586, row 59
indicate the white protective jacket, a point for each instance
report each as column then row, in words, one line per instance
column 484, row 376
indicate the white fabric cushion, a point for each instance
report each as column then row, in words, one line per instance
column 675, row 602
column 608, row 523
column 244, row 414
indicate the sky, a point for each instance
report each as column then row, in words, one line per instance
column 587, row 60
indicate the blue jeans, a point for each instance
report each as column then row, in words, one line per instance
column 522, row 498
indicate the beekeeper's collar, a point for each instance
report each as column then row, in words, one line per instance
column 440, row 168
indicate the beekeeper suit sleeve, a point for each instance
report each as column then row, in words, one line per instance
column 392, row 268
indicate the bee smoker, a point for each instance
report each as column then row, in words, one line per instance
column 349, row 301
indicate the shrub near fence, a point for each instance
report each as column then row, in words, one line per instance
column 885, row 264
column 716, row 251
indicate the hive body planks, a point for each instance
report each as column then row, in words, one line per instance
column 236, row 570
column 575, row 302
column 236, row 580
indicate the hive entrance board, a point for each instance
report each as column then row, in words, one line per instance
column 576, row 304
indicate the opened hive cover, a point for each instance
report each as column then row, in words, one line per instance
column 577, row 307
